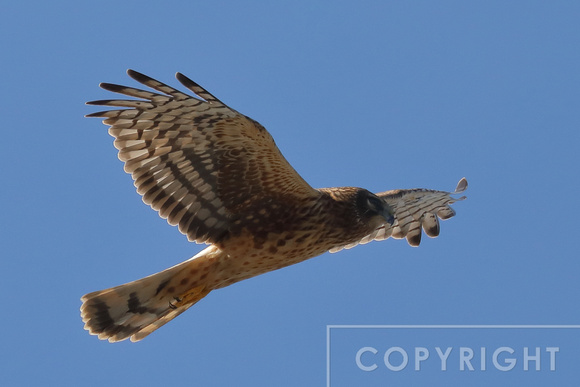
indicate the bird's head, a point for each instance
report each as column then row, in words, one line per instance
column 370, row 205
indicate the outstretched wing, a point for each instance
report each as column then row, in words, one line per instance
column 196, row 161
column 414, row 210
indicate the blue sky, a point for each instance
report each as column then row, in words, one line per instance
column 380, row 95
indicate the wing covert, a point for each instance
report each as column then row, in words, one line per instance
column 196, row 161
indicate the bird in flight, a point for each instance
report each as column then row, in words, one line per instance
column 219, row 177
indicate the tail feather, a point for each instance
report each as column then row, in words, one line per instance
column 137, row 308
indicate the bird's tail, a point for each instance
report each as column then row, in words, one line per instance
column 137, row 308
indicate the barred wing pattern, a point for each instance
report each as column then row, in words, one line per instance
column 414, row 210
column 196, row 161
column 220, row 178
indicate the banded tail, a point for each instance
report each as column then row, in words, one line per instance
column 137, row 308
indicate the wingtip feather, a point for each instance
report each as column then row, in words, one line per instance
column 111, row 87
column 139, row 77
column 190, row 84
column 461, row 185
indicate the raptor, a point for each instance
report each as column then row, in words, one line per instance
column 219, row 177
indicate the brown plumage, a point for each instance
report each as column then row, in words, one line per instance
column 220, row 178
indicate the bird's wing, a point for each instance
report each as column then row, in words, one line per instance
column 414, row 210
column 196, row 161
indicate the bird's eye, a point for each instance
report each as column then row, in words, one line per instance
column 374, row 204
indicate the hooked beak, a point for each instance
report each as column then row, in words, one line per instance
column 389, row 214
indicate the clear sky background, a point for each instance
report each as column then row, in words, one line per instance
column 382, row 95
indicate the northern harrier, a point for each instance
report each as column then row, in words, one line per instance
column 219, row 177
